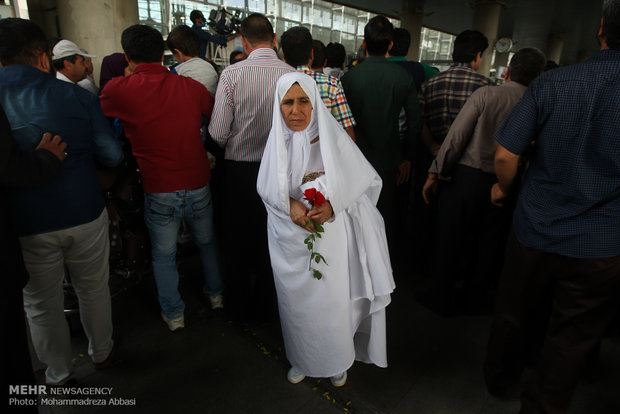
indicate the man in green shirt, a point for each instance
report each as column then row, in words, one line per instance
column 376, row 91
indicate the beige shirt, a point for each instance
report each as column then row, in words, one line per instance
column 470, row 140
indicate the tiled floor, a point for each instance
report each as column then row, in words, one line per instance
column 216, row 366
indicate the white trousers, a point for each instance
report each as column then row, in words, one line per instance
column 84, row 250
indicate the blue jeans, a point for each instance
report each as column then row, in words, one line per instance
column 163, row 214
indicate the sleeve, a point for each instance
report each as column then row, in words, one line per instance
column 422, row 100
column 108, row 149
column 20, row 168
column 340, row 109
column 521, row 126
column 220, row 40
column 206, row 102
column 460, row 134
column 222, row 118
column 414, row 123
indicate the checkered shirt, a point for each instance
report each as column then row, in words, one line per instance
column 570, row 200
column 444, row 94
column 332, row 95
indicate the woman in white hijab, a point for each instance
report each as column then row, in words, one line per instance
column 326, row 323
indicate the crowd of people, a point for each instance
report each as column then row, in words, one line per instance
column 514, row 189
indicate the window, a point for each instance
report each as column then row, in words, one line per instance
column 328, row 22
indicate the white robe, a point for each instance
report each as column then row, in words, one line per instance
column 327, row 323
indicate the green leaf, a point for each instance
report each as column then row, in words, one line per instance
column 310, row 246
column 319, row 228
column 318, row 235
column 317, row 275
column 317, row 258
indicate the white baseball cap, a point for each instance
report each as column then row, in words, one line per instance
column 66, row 48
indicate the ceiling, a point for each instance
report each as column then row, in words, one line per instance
column 575, row 21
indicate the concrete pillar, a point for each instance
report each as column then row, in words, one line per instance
column 43, row 13
column 533, row 20
column 486, row 21
column 411, row 19
column 96, row 25
column 554, row 48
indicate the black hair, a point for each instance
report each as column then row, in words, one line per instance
column 233, row 56
column 467, row 45
column 526, row 65
column 335, row 54
column 142, row 44
column 378, row 35
column 296, row 45
column 194, row 15
column 611, row 23
column 319, row 54
column 402, row 40
column 60, row 63
column 256, row 28
column 185, row 39
column 51, row 42
column 21, row 42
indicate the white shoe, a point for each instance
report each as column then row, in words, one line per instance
column 175, row 323
column 294, row 376
column 339, row 380
column 217, row 302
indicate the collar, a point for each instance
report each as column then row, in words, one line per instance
column 62, row 77
column 304, row 69
column 606, row 54
column 397, row 59
column 14, row 72
column 262, row 52
column 513, row 84
column 189, row 60
column 150, row 68
column 375, row 59
column 461, row 65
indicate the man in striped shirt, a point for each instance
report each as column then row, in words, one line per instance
column 240, row 124
column 297, row 49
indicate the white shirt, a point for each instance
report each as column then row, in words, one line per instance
column 62, row 77
column 200, row 70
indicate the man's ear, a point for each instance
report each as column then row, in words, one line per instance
column 43, row 62
column 246, row 45
column 311, row 57
column 364, row 47
column 275, row 39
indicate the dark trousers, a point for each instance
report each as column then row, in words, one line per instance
column 584, row 294
column 18, row 366
column 424, row 216
column 470, row 240
column 248, row 281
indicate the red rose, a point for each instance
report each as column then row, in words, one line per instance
column 310, row 194
column 319, row 200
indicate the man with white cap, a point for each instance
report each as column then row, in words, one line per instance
column 70, row 61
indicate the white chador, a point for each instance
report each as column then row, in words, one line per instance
column 326, row 323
